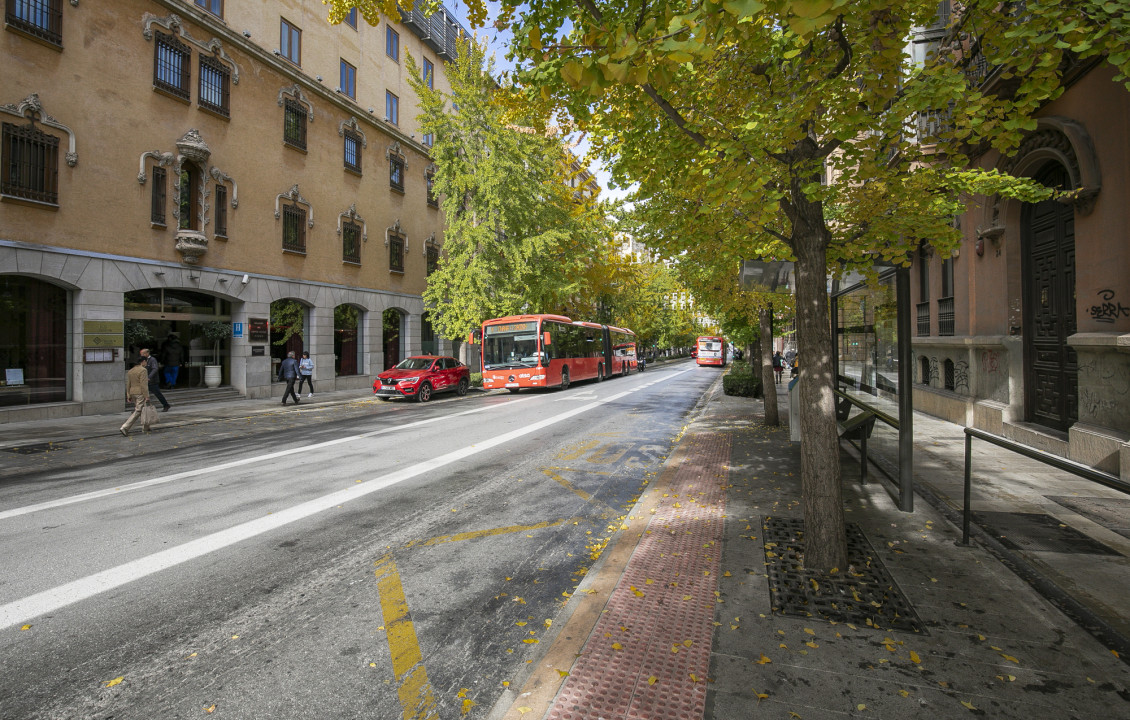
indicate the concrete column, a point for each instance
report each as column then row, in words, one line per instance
column 100, row 387
column 410, row 333
column 374, row 339
column 318, row 340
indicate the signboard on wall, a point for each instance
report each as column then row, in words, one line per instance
column 258, row 351
column 258, row 330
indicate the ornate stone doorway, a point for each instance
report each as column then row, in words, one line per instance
column 1051, row 370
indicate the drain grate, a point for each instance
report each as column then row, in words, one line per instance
column 865, row 594
column 33, row 449
column 1039, row 532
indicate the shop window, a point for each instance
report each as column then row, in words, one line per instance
column 33, row 342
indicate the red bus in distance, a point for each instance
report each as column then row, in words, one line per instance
column 540, row 351
column 711, row 350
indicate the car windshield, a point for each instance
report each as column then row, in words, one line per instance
column 510, row 346
column 414, row 364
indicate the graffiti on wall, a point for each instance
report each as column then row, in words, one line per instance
column 961, row 377
column 990, row 361
column 1107, row 311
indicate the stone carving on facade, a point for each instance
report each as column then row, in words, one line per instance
column 1059, row 140
column 173, row 25
column 397, row 230
column 191, row 244
column 351, row 215
column 355, row 127
column 394, row 151
column 221, row 177
column 160, row 159
column 30, row 108
column 192, row 147
column 295, row 93
column 430, row 170
column 430, row 242
column 295, row 197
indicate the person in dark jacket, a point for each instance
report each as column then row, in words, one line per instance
column 172, row 353
column 154, row 382
column 288, row 372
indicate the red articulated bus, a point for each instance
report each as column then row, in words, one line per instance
column 711, row 351
column 539, row 351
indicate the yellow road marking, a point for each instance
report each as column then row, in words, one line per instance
column 576, row 470
column 579, row 451
column 416, row 697
column 567, row 485
column 475, row 534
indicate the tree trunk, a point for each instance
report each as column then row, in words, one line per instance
column 825, row 539
column 768, row 379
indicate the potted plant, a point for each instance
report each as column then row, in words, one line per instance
column 215, row 332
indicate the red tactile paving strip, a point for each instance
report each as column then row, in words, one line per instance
column 659, row 620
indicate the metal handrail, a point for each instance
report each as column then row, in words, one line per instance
column 1084, row 471
column 889, row 419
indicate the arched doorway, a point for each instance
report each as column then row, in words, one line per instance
column 347, row 340
column 393, row 321
column 288, row 328
column 1051, row 370
column 33, row 341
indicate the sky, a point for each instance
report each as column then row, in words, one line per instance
column 497, row 42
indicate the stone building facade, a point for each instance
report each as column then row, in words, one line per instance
column 174, row 166
column 1025, row 332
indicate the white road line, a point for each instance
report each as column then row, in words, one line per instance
column 27, row 509
column 21, row 611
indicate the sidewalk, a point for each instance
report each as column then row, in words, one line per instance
column 701, row 609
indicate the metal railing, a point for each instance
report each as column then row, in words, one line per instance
column 1075, row 468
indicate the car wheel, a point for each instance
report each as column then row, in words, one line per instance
column 424, row 394
column 461, row 389
column 564, row 378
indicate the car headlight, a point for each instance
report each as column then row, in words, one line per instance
column 409, row 381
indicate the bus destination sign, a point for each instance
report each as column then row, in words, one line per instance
column 511, row 328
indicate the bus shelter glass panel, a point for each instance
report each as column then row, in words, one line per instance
column 866, row 336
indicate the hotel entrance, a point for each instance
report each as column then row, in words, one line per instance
column 186, row 331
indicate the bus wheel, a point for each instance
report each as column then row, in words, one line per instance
column 600, row 373
column 564, row 378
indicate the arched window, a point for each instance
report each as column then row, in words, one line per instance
column 189, row 197
column 924, row 370
column 948, row 374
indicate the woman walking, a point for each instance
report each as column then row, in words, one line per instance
column 306, row 373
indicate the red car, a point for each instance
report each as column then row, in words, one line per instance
column 422, row 376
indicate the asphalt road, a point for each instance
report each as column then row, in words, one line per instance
column 411, row 561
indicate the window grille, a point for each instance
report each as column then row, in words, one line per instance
column 945, row 316
column 924, row 318
column 215, row 85
column 171, row 71
column 221, row 211
column 294, row 124
column 294, row 229
column 42, row 19
column 351, row 243
column 396, row 173
column 396, row 253
column 948, row 374
column 352, row 151
column 157, row 199
column 30, row 162
column 433, row 259
column 433, row 200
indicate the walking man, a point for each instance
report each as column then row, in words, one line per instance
column 137, row 391
column 288, row 371
column 154, row 381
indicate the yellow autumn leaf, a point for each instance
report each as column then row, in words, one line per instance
column 968, row 704
column 693, row 678
column 462, row 692
column 617, row 646
column 26, row 627
column 115, row 681
column 531, row 641
column 904, row 693
column 764, row 660
column 210, row 709
column 1010, row 658
column 760, row 696
column 688, row 643
column 686, row 597
column 812, row 644
column 234, row 637
column 548, row 622
column 861, row 707
column 521, row 623
column 652, row 680
column 810, row 631
column 524, row 710
column 914, row 658
column 638, row 593
column 467, row 705
column 563, row 673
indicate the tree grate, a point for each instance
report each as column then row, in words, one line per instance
column 863, row 594
column 33, row 449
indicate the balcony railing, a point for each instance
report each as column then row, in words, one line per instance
column 924, row 319
column 945, row 316
column 932, row 123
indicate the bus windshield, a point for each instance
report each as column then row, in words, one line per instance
column 514, row 345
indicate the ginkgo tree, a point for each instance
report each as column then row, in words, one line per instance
column 789, row 119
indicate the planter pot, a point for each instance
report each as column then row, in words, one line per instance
column 212, row 375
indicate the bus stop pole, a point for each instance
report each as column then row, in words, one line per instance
column 906, row 398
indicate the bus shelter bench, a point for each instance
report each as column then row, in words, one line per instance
column 857, row 427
